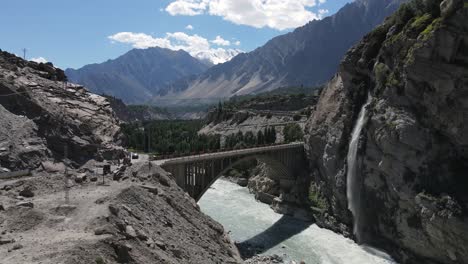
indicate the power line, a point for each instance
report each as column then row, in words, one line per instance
column 17, row 93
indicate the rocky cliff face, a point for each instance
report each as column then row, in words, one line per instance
column 41, row 114
column 412, row 153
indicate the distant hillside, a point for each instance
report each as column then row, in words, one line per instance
column 134, row 113
column 308, row 56
column 137, row 75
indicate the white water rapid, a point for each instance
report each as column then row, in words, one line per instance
column 249, row 220
column 353, row 177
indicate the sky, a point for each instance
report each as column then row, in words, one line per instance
column 73, row 33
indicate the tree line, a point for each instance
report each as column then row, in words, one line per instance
column 181, row 137
column 169, row 137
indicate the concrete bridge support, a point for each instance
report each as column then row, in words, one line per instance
column 196, row 174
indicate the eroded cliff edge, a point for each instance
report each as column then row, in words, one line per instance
column 412, row 151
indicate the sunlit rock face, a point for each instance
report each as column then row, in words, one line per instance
column 413, row 146
column 41, row 114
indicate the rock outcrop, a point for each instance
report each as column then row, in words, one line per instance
column 41, row 113
column 412, row 151
column 143, row 218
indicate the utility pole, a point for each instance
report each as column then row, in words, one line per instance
column 24, row 53
column 67, row 191
column 149, row 147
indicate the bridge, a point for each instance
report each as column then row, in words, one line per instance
column 195, row 174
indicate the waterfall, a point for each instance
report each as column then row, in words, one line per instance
column 353, row 178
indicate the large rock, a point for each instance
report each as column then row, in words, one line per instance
column 413, row 146
column 47, row 114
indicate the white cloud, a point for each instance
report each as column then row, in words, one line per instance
column 189, row 27
column 322, row 12
column 187, row 7
column 237, row 43
column 276, row 14
column 39, row 60
column 197, row 46
column 220, row 41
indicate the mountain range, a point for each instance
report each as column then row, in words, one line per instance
column 139, row 74
column 308, row 56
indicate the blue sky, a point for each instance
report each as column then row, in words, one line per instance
column 72, row 33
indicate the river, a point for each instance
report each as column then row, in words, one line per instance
column 256, row 223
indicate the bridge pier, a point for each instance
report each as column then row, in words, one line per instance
column 195, row 174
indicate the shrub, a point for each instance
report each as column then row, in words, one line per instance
column 381, row 72
column 431, row 28
column 421, row 22
column 316, row 200
column 293, row 132
column 100, row 260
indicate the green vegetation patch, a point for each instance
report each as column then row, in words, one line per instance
column 316, row 200
column 393, row 80
column 381, row 72
column 293, row 132
column 421, row 22
column 169, row 137
column 431, row 28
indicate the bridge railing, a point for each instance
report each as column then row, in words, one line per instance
column 197, row 153
column 231, row 152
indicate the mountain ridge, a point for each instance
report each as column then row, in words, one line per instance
column 138, row 74
column 289, row 59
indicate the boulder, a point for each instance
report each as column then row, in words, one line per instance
column 104, row 230
column 25, row 204
column 151, row 189
column 448, row 7
column 264, row 197
column 27, row 192
column 4, row 240
column 243, row 182
column 80, row 178
column 130, row 232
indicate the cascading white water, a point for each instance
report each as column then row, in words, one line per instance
column 353, row 182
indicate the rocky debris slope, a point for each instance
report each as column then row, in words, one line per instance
column 41, row 113
column 143, row 217
column 244, row 121
column 413, row 147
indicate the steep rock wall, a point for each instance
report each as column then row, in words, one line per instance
column 412, row 152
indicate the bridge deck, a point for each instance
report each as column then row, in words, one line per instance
column 228, row 154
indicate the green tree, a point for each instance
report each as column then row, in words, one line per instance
column 293, row 132
column 260, row 138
